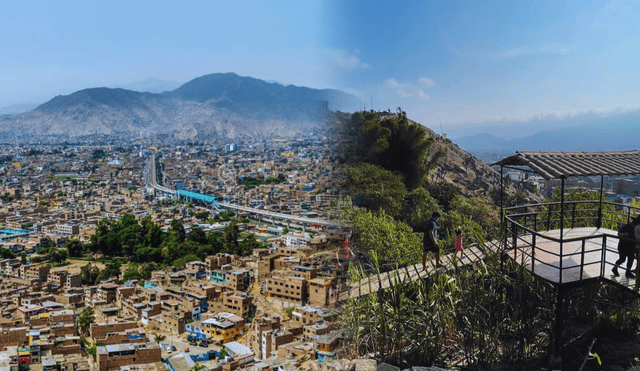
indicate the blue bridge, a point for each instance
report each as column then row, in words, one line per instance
column 199, row 197
column 12, row 231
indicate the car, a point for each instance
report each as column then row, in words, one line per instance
column 173, row 348
column 204, row 344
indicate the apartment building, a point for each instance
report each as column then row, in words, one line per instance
column 117, row 355
column 292, row 289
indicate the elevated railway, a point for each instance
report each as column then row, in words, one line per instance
column 225, row 205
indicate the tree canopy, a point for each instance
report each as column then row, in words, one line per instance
column 144, row 241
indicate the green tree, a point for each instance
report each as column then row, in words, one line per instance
column 159, row 338
column 444, row 193
column 74, row 247
column 85, row 319
column 23, row 257
column 378, row 188
column 132, row 272
column 381, row 237
column 89, row 274
column 57, row 255
column 479, row 210
column 231, row 235
column 177, row 231
column 197, row 235
column 419, row 205
column 248, row 244
column 111, row 269
column 203, row 215
column 397, row 145
column 6, row 253
column 181, row 262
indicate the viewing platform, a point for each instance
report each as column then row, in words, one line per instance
column 572, row 255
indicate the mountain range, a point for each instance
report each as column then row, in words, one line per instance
column 219, row 105
column 615, row 131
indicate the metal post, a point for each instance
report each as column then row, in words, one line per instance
column 557, row 337
column 514, row 232
column 549, row 218
column 600, row 205
column 501, row 194
column 533, row 253
column 603, row 259
column 573, row 216
column 582, row 259
column 561, row 223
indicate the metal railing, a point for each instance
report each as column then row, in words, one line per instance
column 524, row 227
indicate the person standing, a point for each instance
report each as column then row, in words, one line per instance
column 458, row 242
column 345, row 244
column 430, row 240
column 627, row 246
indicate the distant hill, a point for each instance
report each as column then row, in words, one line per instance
column 220, row 105
column 585, row 132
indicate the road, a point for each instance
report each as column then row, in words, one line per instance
column 299, row 219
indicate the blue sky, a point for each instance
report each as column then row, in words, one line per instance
column 58, row 47
column 455, row 63
column 477, row 61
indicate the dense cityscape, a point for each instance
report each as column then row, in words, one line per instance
column 263, row 289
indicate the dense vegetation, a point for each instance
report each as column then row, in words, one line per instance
column 143, row 246
column 144, row 241
column 495, row 311
column 390, row 180
column 252, row 182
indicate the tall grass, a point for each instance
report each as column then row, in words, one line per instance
column 483, row 313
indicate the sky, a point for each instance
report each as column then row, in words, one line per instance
column 453, row 64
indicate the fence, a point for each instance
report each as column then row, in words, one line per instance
column 588, row 241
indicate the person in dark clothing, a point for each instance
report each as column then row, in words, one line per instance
column 430, row 240
column 627, row 247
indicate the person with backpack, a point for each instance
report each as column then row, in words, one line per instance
column 430, row 240
column 627, row 247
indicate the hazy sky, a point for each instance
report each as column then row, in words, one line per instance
column 443, row 62
column 57, row 47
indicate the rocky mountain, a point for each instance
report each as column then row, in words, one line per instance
column 221, row 105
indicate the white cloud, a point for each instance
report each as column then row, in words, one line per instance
column 554, row 48
column 404, row 90
column 427, row 81
column 347, row 60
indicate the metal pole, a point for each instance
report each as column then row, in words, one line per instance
column 501, row 194
column 600, row 205
column 557, row 337
column 561, row 223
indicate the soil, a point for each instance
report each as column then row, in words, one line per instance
column 74, row 266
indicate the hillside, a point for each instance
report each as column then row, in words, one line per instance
column 216, row 105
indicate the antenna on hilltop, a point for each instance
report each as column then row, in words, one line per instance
column 372, row 102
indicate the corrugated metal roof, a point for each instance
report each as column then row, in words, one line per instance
column 555, row 165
